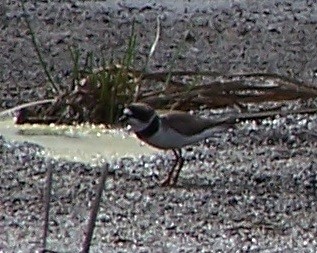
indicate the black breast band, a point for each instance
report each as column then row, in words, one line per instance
column 151, row 129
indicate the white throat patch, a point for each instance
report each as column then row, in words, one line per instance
column 137, row 125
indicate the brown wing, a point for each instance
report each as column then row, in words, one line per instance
column 190, row 124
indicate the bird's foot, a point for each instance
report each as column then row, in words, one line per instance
column 167, row 182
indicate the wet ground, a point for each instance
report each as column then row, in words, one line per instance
column 91, row 144
column 251, row 190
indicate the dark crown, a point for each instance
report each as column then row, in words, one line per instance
column 142, row 112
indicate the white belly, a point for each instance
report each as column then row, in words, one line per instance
column 168, row 138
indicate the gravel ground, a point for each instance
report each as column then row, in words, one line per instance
column 251, row 190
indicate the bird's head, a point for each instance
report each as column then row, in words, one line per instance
column 138, row 116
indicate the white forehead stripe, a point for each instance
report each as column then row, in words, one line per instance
column 127, row 111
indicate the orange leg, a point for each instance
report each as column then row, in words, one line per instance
column 180, row 166
column 170, row 180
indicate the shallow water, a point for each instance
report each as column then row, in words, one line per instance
column 88, row 144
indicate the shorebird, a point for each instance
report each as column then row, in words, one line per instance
column 172, row 130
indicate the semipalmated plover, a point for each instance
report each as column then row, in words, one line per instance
column 172, row 130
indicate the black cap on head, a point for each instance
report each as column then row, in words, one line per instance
column 140, row 111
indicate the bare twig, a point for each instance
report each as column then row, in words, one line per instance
column 146, row 66
column 94, row 210
column 157, row 37
column 289, row 81
column 19, row 107
column 47, row 200
column 268, row 114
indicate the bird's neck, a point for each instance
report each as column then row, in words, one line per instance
column 151, row 128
